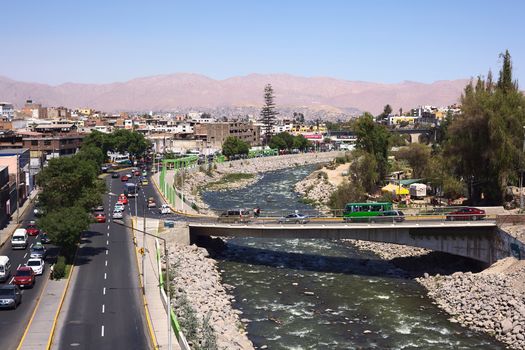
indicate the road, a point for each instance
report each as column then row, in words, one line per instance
column 106, row 310
column 14, row 322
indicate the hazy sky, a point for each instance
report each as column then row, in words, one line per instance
column 371, row 40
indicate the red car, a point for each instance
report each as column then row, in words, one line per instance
column 137, row 173
column 467, row 213
column 24, row 277
column 32, row 230
column 123, row 199
column 100, row 218
column 124, row 178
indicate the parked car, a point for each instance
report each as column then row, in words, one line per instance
column 295, row 218
column 115, row 176
column 165, row 209
column 100, row 218
column 24, row 277
column 124, row 178
column 37, row 265
column 38, row 251
column 43, row 238
column 32, row 230
column 151, row 202
column 467, row 213
column 118, row 214
column 389, row 216
column 10, row 296
column 5, row 268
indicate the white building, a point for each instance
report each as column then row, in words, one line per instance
column 7, row 110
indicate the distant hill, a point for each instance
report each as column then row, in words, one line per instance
column 182, row 91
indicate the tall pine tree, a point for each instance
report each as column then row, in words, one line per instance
column 268, row 113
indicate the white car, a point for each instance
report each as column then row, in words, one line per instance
column 118, row 214
column 165, row 209
column 119, row 207
column 37, row 265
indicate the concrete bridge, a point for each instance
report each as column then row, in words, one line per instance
column 480, row 240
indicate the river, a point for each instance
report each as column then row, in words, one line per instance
column 320, row 294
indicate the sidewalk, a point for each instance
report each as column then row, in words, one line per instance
column 7, row 231
column 179, row 206
column 44, row 318
column 155, row 303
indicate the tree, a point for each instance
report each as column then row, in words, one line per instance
column 127, row 141
column 234, row 146
column 418, row 156
column 268, row 113
column 387, row 110
column 99, row 140
column 485, row 139
column 68, row 182
column 64, row 226
column 374, row 139
column 363, row 171
column 301, row 142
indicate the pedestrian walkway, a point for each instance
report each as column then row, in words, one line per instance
column 38, row 333
column 7, row 231
column 179, row 206
column 155, row 303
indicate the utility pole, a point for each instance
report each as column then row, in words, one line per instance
column 144, row 245
column 521, row 172
column 17, row 191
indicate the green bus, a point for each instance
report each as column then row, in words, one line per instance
column 365, row 212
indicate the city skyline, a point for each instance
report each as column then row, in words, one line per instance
column 382, row 42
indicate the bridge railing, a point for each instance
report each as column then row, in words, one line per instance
column 337, row 216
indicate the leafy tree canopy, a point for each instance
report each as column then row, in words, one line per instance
column 233, row 145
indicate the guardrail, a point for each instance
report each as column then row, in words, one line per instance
column 181, row 339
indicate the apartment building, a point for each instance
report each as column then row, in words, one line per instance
column 214, row 134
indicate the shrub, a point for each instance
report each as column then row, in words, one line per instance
column 59, row 269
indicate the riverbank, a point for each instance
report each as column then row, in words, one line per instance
column 490, row 301
column 202, row 303
column 197, row 181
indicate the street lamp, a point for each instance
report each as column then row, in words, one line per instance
column 166, row 280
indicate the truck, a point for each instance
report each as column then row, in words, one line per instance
column 131, row 189
column 418, row 191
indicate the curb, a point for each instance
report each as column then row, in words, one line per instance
column 32, row 317
column 22, row 212
column 57, row 314
column 144, row 301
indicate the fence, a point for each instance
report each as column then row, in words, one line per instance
column 181, row 339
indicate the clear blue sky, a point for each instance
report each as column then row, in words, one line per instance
column 374, row 40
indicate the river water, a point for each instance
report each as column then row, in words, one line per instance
column 320, row 294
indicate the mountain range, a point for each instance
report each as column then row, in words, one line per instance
column 179, row 91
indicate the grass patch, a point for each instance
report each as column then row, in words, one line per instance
column 229, row 178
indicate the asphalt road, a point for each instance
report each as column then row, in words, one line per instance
column 105, row 310
column 14, row 322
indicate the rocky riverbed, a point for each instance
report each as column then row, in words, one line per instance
column 491, row 301
column 203, row 304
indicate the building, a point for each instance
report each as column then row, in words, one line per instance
column 17, row 161
column 10, row 139
column 58, row 113
column 34, row 110
column 5, row 203
column 214, row 134
column 52, row 145
column 6, row 110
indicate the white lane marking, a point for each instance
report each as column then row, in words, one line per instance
column 108, row 234
column 105, row 275
column 25, row 255
column 107, row 251
column 107, row 242
column 106, row 263
column 102, row 331
column 12, row 279
column 21, row 265
column 108, row 229
column 103, row 308
column 104, row 291
column 31, row 246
